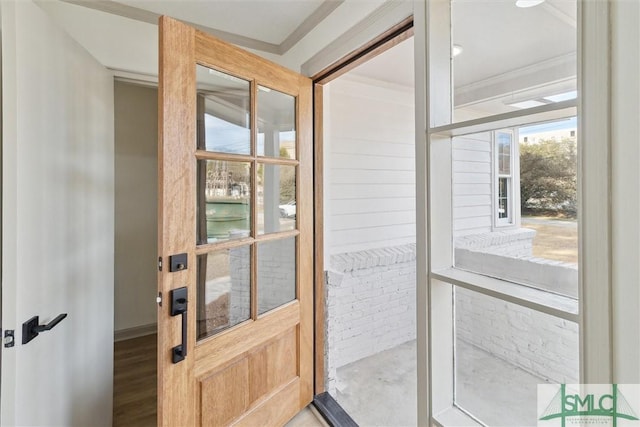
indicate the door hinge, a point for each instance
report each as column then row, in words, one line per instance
column 159, row 299
column 159, row 263
column 9, row 339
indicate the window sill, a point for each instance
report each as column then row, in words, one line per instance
column 536, row 299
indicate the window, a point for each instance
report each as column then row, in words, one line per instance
column 506, row 156
column 490, row 299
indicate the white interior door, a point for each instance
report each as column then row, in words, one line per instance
column 57, row 223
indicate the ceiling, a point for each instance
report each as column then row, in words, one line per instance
column 392, row 66
column 289, row 32
column 498, row 37
column 267, row 21
column 510, row 54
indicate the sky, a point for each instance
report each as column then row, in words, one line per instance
column 562, row 125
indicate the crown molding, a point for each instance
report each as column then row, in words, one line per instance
column 142, row 15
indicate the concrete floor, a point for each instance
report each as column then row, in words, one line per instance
column 494, row 391
column 380, row 390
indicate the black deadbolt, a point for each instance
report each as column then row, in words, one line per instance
column 178, row 262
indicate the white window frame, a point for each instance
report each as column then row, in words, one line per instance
column 435, row 273
column 513, row 179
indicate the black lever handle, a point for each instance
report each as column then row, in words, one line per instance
column 52, row 324
column 32, row 328
column 179, row 307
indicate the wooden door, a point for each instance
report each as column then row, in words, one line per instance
column 235, row 235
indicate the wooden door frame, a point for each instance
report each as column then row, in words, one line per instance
column 385, row 41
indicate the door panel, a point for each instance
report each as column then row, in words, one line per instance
column 241, row 210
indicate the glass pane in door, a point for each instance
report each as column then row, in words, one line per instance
column 276, row 124
column 223, row 111
column 276, row 198
column 276, row 273
column 224, row 200
column 224, row 290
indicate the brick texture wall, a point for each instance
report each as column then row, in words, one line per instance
column 371, row 307
column 541, row 344
column 371, row 304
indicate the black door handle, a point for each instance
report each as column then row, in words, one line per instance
column 179, row 307
column 32, row 327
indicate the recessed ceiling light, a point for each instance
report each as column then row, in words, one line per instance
column 527, row 104
column 528, row 3
column 562, row 96
column 456, row 50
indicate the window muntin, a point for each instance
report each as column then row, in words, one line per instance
column 247, row 171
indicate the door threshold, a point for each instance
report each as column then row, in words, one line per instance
column 332, row 412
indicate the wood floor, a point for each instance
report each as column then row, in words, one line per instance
column 134, row 382
column 134, row 386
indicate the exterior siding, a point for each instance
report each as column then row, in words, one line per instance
column 369, row 171
column 472, row 184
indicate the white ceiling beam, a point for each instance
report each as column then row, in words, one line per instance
column 562, row 68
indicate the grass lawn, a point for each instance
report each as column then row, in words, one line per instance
column 555, row 239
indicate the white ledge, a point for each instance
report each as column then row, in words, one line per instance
column 543, row 113
column 536, row 299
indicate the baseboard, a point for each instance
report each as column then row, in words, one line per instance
column 135, row 332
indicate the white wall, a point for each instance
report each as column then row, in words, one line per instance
column 136, row 205
column 57, row 190
column 625, row 211
column 472, row 184
column 369, row 165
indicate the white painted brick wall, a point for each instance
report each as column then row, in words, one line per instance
column 371, row 304
column 371, row 307
column 544, row 345
column 240, row 273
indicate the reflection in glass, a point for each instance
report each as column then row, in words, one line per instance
column 276, row 124
column 516, row 211
column 512, row 58
column 504, row 153
column 503, row 198
column 276, row 273
column 224, row 290
column 224, row 200
column 223, row 111
column 276, row 198
column 503, row 351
